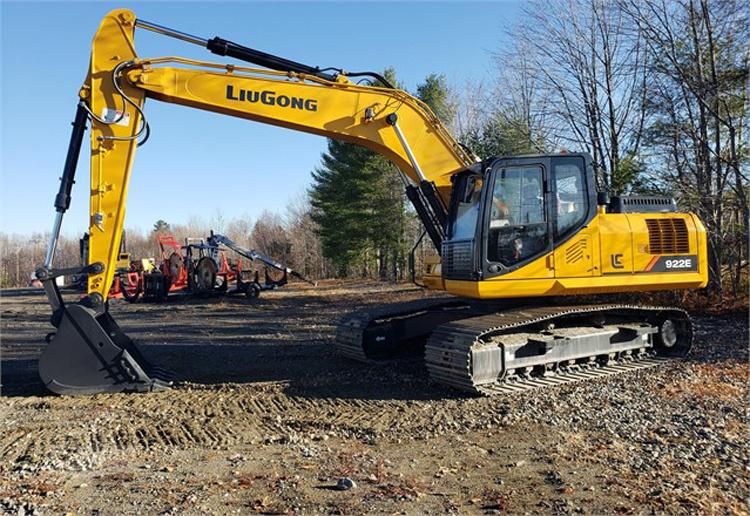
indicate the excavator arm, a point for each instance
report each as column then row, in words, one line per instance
column 89, row 353
column 388, row 121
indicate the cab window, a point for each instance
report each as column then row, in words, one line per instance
column 570, row 198
column 517, row 222
column 467, row 207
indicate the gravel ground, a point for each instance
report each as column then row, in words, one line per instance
column 268, row 419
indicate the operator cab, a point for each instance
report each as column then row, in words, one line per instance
column 507, row 212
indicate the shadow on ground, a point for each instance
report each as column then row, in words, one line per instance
column 285, row 337
column 308, row 370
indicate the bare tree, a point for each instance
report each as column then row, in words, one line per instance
column 698, row 100
column 270, row 236
column 582, row 81
column 518, row 100
column 306, row 254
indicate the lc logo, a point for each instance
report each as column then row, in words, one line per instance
column 617, row 261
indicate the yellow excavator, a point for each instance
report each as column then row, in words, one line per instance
column 516, row 236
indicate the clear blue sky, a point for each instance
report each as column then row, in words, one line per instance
column 196, row 162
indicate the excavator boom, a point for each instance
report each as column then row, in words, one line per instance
column 387, row 120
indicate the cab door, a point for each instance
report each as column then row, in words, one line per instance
column 516, row 223
column 572, row 211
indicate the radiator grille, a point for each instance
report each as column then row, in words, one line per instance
column 457, row 259
column 667, row 236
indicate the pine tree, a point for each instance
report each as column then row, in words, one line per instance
column 161, row 226
column 338, row 199
column 354, row 207
column 435, row 93
column 359, row 203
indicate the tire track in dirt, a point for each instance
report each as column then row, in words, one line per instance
column 12, row 440
column 205, row 418
column 291, row 328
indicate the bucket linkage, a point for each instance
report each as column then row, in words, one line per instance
column 88, row 353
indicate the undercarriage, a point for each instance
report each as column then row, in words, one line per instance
column 490, row 349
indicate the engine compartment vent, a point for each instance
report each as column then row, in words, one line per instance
column 575, row 252
column 667, row 236
column 457, row 259
column 642, row 204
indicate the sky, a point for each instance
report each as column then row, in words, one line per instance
column 196, row 163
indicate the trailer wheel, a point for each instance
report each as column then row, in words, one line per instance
column 253, row 291
column 130, row 286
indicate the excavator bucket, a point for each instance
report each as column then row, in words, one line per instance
column 90, row 354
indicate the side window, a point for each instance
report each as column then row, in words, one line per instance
column 517, row 225
column 570, row 198
column 467, row 207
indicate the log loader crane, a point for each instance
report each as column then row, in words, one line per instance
column 253, row 255
column 517, row 236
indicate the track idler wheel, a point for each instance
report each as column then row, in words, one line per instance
column 674, row 338
column 90, row 354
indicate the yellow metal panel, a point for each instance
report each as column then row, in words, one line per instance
column 639, row 231
column 575, row 257
column 644, row 257
column 612, row 234
column 432, row 274
column 433, row 282
column 110, row 160
column 702, row 239
column 616, row 243
column 542, row 267
column 507, row 289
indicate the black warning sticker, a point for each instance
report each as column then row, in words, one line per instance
column 673, row 264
